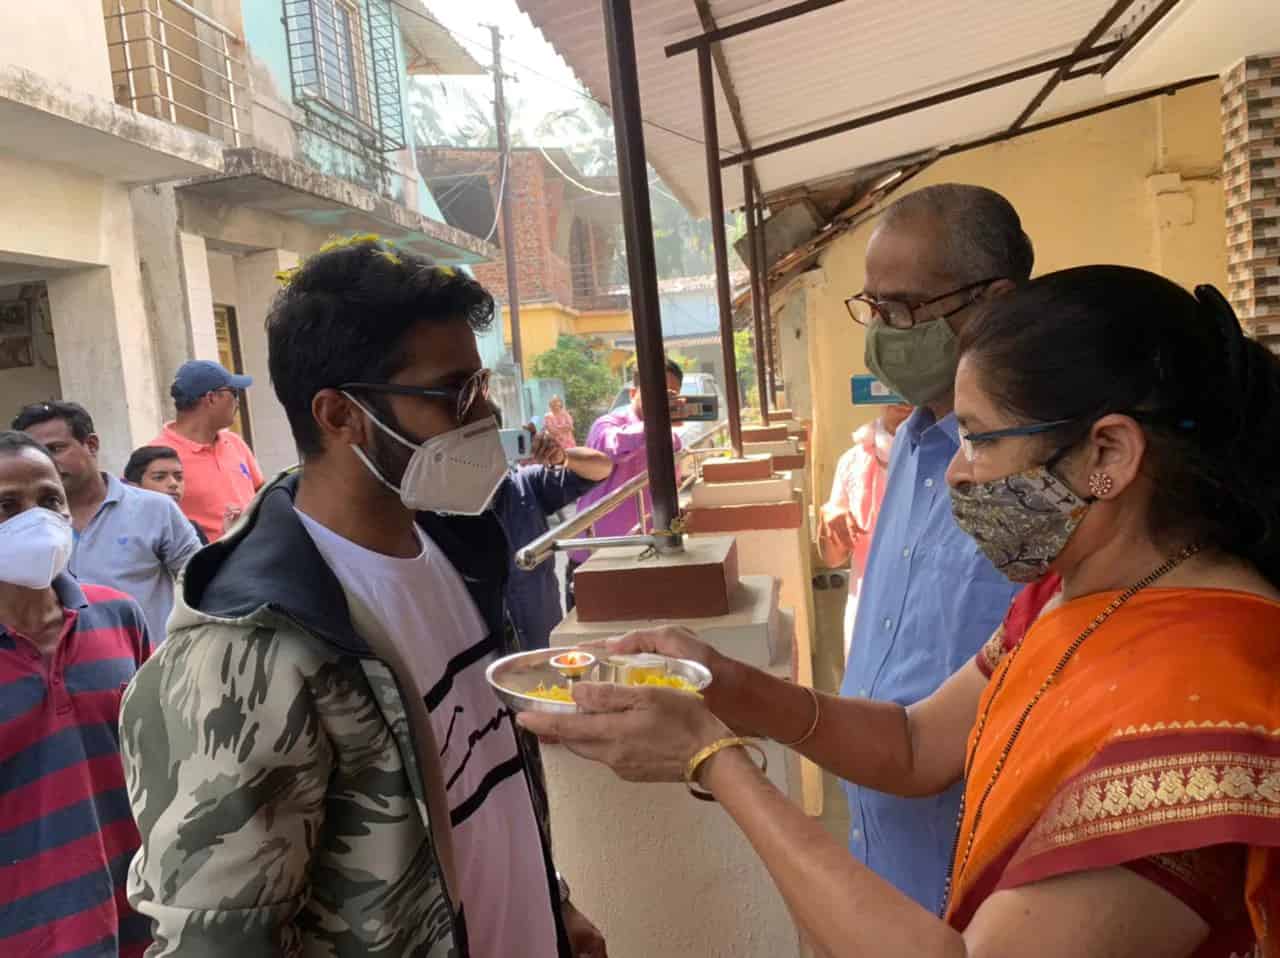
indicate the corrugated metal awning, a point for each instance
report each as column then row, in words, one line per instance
column 828, row 65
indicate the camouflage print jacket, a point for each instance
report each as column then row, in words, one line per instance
column 288, row 794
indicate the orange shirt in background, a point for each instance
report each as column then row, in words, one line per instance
column 219, row 475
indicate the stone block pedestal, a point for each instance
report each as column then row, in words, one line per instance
column 636, row 583
column 660, row 872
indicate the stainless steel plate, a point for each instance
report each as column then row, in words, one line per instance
column 512, row 676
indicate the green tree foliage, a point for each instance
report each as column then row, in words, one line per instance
column 744, row 354
column 589, row 385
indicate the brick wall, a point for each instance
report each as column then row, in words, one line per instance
column 527, row 182
column 545, row 259
column 1251, row 171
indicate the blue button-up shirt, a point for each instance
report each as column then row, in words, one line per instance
column 928, row 602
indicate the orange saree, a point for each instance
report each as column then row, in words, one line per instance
column 1157, row 748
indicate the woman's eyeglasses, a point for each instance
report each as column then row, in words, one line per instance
column 471, row 395
column 969, row 441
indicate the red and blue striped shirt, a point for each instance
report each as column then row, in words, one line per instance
column 66, row 831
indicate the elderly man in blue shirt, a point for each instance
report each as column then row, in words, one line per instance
column 929, row 599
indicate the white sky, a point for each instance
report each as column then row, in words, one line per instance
column 543, row 83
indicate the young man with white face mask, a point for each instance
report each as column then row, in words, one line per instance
column 317, row 763
column 66, row 653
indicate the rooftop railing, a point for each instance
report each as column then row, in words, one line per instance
column 170, row 61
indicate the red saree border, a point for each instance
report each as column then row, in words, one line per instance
column 1148, row 792
column 961, row 911
column 1093, row 821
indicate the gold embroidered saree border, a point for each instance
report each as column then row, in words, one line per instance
column 1195, row 781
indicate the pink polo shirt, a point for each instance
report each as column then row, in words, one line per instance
column 218, row 475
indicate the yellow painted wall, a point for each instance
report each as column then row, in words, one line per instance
column 1093, row 191
column 541, row 324
column 616, row 323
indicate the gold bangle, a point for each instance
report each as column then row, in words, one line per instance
column 702, row 757
column 817, row 716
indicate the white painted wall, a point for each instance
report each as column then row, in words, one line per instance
column 222, row 279
column 106, row 354
column 256, row 286
column 50, row 211
column 64, row 40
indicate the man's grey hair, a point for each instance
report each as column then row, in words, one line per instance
column 981, row 234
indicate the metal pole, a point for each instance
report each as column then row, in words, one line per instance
column 504, row 199
column 760, row 256
column 715, row 194
column 633, row 179
column 749, row 202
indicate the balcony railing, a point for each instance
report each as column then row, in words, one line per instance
column 563, row 537
column 589, row 294
column 170, row 61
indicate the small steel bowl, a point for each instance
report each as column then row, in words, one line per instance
column 512, row 676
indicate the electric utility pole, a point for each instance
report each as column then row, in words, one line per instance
column 505, row 178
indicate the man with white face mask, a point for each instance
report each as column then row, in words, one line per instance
column 324, row 673
column 66, row 653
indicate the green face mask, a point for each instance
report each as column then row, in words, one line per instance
column 919, row 364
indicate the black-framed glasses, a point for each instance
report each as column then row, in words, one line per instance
column 970, row 440
column 863, row 307
column 473, row 393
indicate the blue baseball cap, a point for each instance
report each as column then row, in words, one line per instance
column 200, row 376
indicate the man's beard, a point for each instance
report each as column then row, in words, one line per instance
column 389, row 457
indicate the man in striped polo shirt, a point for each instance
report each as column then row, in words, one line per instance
column 67, row 652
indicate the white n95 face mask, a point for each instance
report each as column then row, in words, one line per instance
column 35, row 547
column 456, row 472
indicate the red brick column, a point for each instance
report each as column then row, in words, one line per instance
column 1251, row 181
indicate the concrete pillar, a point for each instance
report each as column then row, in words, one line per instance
column 1251, row 181
column 256, row 287
column 660, row 872
column 767, row 517
column 175, row 276
column 105, row 348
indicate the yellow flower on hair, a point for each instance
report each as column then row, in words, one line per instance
column 391, row 257
column 287, row 276
column 337, row 242
column 447, row 271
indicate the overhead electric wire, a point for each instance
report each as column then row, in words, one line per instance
column 417, row 12
column 497, row 206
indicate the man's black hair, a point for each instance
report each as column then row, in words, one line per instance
column 181, row 401
column 73, row 414
column 343, row 317
column 673, row 369
column 142, row 458
column 13, row 441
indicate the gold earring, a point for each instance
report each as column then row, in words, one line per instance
column 1100, row 484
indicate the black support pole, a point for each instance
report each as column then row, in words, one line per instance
column 759, row 255
column 749, row 203
column 633, row 180
column 715, row 203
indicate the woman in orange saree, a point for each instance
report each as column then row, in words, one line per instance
column 1150, row 754
column 1119, row 740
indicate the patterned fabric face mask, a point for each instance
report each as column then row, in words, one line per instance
column 1021, row 522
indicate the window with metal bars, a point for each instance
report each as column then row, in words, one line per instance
column 343, row 57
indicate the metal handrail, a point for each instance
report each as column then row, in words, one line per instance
column 164, row 98
column 561, row 538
